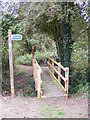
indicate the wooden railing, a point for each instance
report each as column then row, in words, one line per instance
column 37, row 77
column 36, row 74
column 55, row 67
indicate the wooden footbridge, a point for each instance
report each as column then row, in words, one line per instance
column 49, row 81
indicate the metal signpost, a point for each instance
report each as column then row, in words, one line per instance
column 10, row 38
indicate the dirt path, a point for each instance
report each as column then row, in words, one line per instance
column 20, row 107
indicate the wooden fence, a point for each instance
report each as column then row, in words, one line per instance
column 55, row 67
column 37, row 77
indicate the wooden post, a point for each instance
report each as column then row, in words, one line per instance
column 49, row 63
column 35, row 75
column 67, row 81
column 38, row 82
column 53, row 66
column 11, row 63
column 33, row 62
column 59, row 70
column 32, row 52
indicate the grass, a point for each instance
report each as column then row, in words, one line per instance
column 52, row 112
column 47, row 111
column 20, row 72
column 60, row 114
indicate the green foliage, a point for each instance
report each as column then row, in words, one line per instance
column 80, row 60
column 41, row 24
column 84, row 90
column 20, row 87
column 43, row 56
column 8, row 22
column 25, row 60
column 52, row 112
column 20, row 72
column 79, row 63
column 46, row 110
column 41, row 43
column 60, row 114
column 40, row 56
column 31, row 90
column 80, row 54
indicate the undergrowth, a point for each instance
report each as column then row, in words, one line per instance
column 26, row 59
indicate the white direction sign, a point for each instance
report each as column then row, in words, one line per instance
column 16, row 37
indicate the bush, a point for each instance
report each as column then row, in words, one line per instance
column 40, row 57
column 24, row 60
column 84, row 90
column 44, row 56
column 79, row 65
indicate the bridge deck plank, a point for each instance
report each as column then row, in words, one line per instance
column 50, row 88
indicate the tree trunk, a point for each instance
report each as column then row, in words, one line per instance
column 67, row 43
column 60, row 50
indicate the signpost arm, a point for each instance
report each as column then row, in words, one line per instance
column 11, row 63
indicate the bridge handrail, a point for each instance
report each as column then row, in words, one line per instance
column 66, row 70
column 38, row 65
column 57, row 63
column 58, row 72
column 37, row 77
